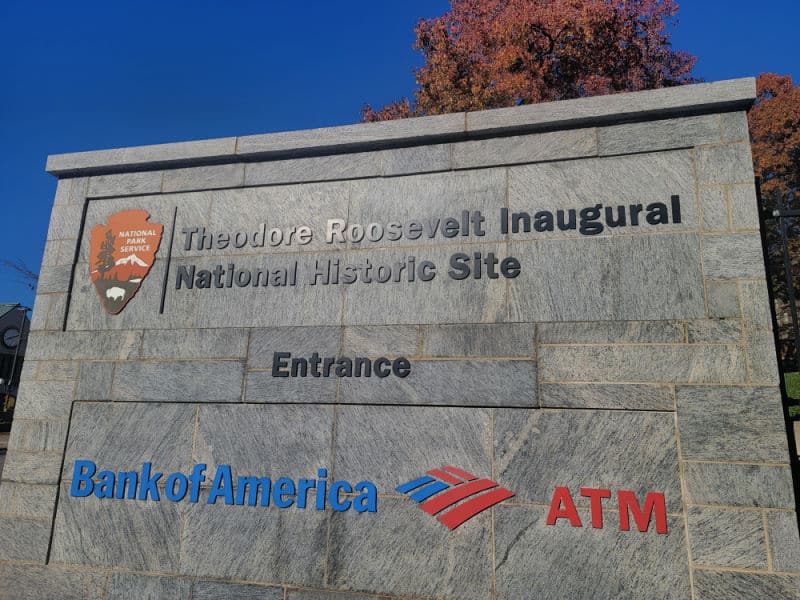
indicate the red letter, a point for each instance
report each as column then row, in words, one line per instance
column 562, row 496
column 596, row 495
column 652, row 501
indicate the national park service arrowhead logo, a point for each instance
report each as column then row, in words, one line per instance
column 121, row 255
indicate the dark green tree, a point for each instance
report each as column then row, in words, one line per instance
column 105, row 258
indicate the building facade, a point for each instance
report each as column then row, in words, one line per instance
column 517, row 353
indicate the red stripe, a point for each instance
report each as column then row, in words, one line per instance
column 442, row 501
column 456, row 516
column 460, row 473
column 445, row 477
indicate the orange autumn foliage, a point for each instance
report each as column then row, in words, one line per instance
column 775, row 134
column 494, row 53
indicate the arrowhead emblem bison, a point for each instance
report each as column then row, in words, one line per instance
column 121, row 255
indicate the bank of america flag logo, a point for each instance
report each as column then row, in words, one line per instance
column 440, row 492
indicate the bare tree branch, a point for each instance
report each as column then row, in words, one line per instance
column 25, row 274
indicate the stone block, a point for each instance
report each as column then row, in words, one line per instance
column 24, row 539
column 611, row 181
column 428, row 199
column 552, row 145
column 315, row 168
column 59, row 252
column 625, row 396
column 417, row 159
column 73, row 345
column 734, row 127
column 651, row 104
column 330, row 595
column 715, row 585
column 727, row 538
column 665, row 134
column 280, row 440
column 178, row 381
column 739, row 485
column 194, row 343
column 642, row 363
column 262, row 387
column 125, row 184
column 755, row 305
column 302, row 304
column 37, row 501
column 383, row 340
column 255, row 544
column 203, row 178
column 65, row 222
column 120, row 437
column 56, row 370
column 421, row 129
column 731, row 163
column 128, row 534
column 736, row 256
column 744, row 207
column 94, row 382
column 63, row 189
column 283, row 207
column 29, row 582
column 41, row 306
column 784, row 542
column 43, row 436
column 714, row 208
column 478, row 340
column 300, row 341
column 723, row 300
column 611, row 332
column 86, row 311
column 44, row 399
column 602, row 283
column 193, row 210
column 424, row 558
column 54, row 279
column 714, row 331
column 732, row 424
column 214, row 590
column 573, row 563
column 181, row 152
column 762, row 357
column 124, row 586
column 449, row 383
column 79, row 190
column 537, row 450
column 441, row 300
column 56, row 311
column 26, row 467
column 422, row 439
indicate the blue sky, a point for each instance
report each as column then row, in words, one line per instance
column 90, row 75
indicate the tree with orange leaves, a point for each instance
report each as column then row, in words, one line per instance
column 775, row 134
column 494, row 53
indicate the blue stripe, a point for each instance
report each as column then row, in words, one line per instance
column 414, row 484
column 429, row 490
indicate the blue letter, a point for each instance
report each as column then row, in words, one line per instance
column 149, row 483
column 283, row 487
column 105, row 487
column 131, row 479
column 169, row 489
column 367, row 500
column 222, row 485
column 333, row 495
column 79, row 477
column 196, row 478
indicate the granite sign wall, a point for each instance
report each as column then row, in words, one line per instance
column 518, row 353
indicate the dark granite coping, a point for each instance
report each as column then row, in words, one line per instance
column 703, row 98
